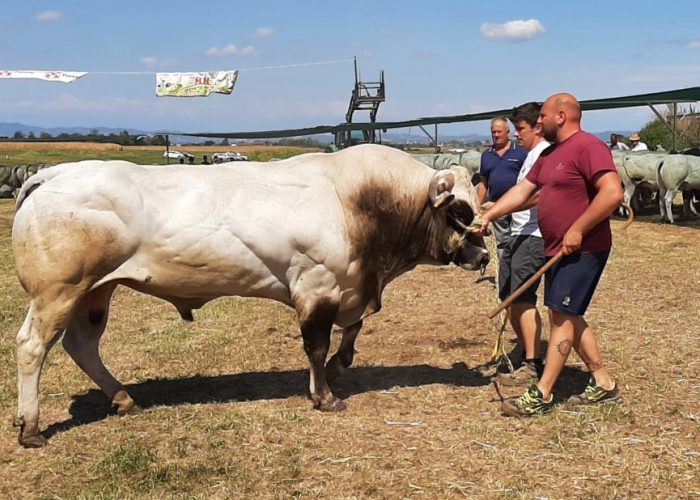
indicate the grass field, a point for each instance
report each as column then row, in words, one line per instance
column 31, row 153
column 224, row 412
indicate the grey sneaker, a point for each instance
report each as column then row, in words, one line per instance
column 525, row 375
column 529, row 404
column 594, row 394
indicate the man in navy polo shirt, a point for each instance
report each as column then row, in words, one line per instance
column 500, row 166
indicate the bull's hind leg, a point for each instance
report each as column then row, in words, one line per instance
column 342, row 359
column 316, row 327
column 668, row 202
column 41, row 329
column 82, row 340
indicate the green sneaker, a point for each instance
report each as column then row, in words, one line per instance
column 528, row 405
column 594, row 394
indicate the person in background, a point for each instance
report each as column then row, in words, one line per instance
column 578, row 189
column 637, row 144
column 205, row 160
column 616, row 144
column 500, row 165
column 523, row 255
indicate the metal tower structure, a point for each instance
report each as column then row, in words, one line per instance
column 366, row 96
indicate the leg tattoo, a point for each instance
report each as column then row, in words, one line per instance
column 564, row 347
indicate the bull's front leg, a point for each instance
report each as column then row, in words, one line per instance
column 316, row 323
column 342, row 359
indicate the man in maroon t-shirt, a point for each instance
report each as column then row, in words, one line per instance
column 578, row 189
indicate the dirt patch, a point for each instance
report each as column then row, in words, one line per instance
column 225, row 415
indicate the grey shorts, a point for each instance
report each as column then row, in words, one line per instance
column 522, row 257
column 501, row 230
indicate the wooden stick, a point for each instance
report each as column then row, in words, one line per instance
column 526, row 285
column 509, row 300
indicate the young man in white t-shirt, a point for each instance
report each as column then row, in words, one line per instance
column 523, row 254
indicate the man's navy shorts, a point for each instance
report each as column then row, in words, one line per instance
column 570, row 283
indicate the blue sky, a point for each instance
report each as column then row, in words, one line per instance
column 440, row 58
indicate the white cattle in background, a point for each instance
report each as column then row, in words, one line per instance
column 676, row 173
column 638, row 174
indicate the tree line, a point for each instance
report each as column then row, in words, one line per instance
column 655, row 133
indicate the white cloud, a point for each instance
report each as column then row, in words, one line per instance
column 695, row 44
column 248, row 51
column 228, row 50
column 516, row 31
column 263, row 32
column 49, row 15
column 152, row 62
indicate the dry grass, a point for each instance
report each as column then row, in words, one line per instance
column 225, row 414
column 51, row 146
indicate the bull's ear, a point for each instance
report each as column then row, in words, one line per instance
column 440, row 189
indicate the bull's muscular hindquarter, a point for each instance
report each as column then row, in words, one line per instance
column 322, row 233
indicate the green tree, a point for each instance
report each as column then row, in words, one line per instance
column 687, row 127
column 18, row 135
column 45, row 135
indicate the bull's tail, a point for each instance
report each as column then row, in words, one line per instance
column 659, row 179
column 33, row 183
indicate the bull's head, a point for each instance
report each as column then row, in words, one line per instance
column 454, row 202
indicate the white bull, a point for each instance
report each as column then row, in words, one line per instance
column 637, row 171
column 676, row 173
column 322, row 233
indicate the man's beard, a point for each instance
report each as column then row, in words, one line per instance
column 550, row 134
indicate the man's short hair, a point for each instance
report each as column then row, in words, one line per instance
column 530, row 112
column 499, row 119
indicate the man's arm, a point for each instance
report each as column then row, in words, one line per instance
column 514, row 198
column 607, row 199
column 481, row 189
column 531, row 202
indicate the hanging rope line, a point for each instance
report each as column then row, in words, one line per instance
column 281, row 66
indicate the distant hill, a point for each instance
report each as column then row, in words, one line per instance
column 8, row 129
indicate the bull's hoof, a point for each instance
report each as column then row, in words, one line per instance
column 35, row 441
column 124, row 403
column 334, row 406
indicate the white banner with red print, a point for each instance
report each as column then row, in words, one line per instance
column 50, row 76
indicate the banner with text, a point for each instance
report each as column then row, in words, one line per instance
column 50, row 76
column 195, row 84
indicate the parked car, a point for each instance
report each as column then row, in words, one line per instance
column 176, row 155
column 228, row 156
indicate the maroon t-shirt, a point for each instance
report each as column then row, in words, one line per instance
column 565, row 174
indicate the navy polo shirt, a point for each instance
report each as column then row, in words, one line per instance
column 501, row 172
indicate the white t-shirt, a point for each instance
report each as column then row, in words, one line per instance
column 640, row 147
column 524, row 223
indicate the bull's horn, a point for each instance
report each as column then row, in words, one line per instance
column 442, row 198
column 440, row 188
